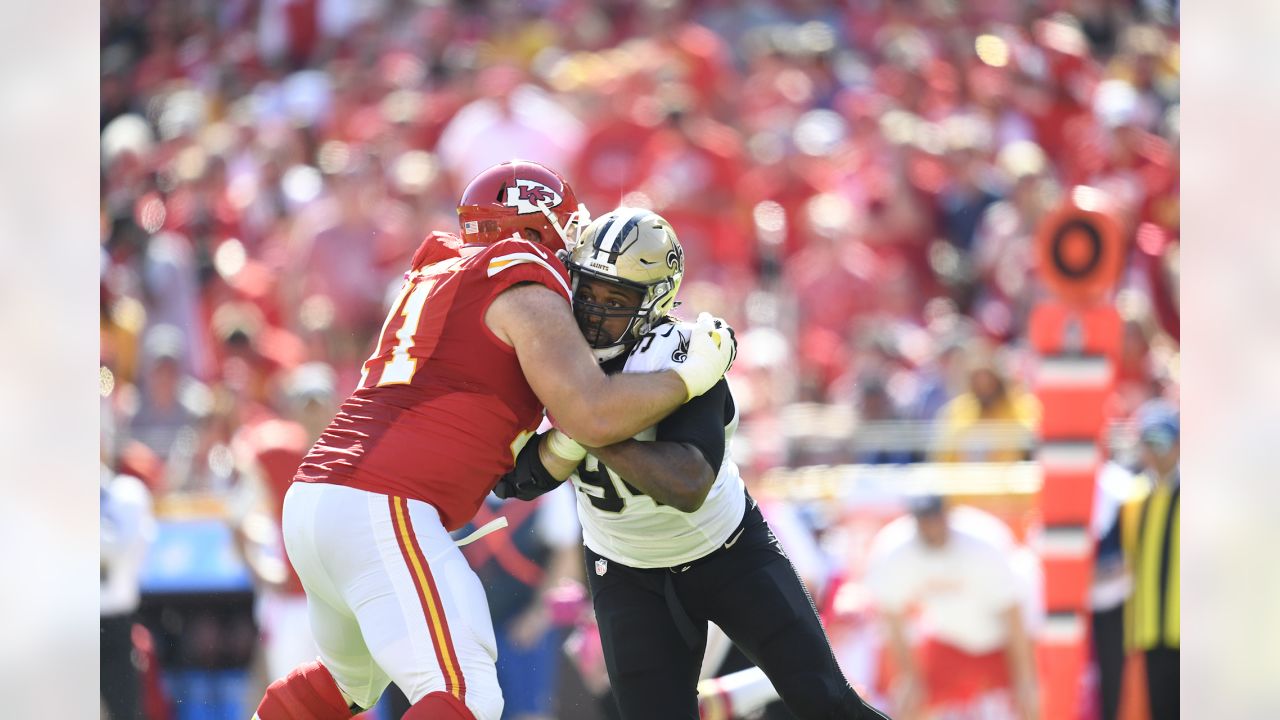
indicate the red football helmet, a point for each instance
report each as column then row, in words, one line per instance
column 516, row 196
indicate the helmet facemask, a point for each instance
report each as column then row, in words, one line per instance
column 571, row 231
column 641, row 317
column 633, row 264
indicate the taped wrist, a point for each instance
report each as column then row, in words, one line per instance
column 531, row 477
column 563, row 446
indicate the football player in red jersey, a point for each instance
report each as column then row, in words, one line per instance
column 480, row 338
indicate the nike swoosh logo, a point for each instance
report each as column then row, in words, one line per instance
column 734, row 539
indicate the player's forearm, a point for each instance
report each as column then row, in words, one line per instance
column 625, row 404
column 672, row 473
column 588, row 405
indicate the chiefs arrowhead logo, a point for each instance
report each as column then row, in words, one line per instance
column 530, row 196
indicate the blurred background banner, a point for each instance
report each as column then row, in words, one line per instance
column 947, row 234
column 194, row 556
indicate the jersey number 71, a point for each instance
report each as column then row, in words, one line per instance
column 409, row 305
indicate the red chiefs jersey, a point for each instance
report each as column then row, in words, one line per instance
column 442, row 405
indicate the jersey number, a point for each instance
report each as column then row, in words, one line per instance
column 603, row 492
column 410, row 302
column 400, row 368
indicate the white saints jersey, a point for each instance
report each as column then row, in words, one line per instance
column 623, row 524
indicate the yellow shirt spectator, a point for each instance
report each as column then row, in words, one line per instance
column 992, row 421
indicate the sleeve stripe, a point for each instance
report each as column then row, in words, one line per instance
column 503, row 262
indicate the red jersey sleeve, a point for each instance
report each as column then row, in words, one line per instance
column 515, row 261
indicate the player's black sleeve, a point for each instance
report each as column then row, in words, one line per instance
column 701, row 422
column 529, row 478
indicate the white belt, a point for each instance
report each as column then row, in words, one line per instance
column 493, row 525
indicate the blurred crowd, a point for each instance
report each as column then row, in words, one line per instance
column 856, row 184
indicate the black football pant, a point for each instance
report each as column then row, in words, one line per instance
column 653, row 625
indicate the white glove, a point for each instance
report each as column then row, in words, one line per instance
column 712, row 348
column 563, row 447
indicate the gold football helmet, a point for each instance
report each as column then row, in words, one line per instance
column 631, row 248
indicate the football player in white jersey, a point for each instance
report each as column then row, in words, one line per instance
column 673, row 540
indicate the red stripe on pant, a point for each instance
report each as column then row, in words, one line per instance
column 429, row 598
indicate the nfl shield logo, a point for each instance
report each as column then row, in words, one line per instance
column 602, row 566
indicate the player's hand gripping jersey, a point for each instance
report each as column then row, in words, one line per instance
column 622, row 523
column 442, row 406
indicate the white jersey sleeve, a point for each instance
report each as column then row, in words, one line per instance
column 662, row 349
column 623, row 524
